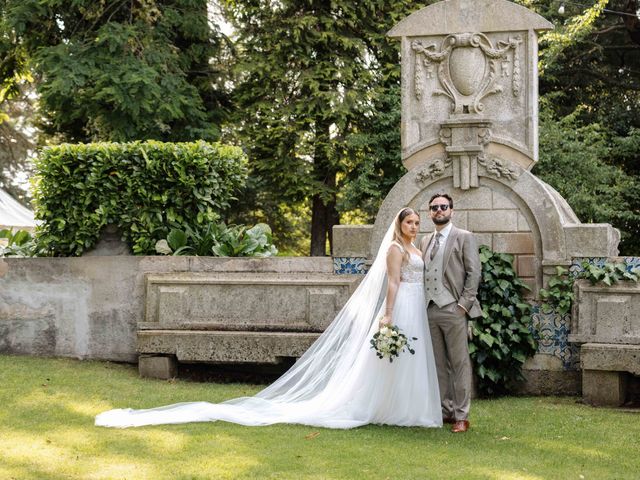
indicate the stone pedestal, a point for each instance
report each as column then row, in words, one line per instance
column 602, row 388
column 604, row 372
column 154, row 366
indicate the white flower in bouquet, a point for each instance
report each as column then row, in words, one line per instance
column 389, row 342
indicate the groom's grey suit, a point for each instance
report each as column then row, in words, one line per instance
column 459, row 275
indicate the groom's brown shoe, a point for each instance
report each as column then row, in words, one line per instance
column 449, row 420
column 460, row 426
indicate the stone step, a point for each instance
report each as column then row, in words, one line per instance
column 225, row 346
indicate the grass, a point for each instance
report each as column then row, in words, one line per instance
column 46, row 432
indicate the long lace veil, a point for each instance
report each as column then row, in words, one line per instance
column 321, row 370
column 329, row 359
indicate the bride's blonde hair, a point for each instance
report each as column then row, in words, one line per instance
column 397, row 230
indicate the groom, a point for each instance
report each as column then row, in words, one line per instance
column 451, row 278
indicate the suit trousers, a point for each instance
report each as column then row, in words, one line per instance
column 451, row 349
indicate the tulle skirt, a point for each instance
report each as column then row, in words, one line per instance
column 368, row 390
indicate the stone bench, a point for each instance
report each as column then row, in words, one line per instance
column 605, row 369
column 235, row 317
column 606, row 321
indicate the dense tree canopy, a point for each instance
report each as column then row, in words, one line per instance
column 120, row 70
column 311, row 76
column 313, row 97
column 590, row 90
column 16, row 140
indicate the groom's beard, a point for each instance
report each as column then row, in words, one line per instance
column 442, row 220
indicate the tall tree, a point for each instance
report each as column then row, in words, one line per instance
column 16, row 140
column 116, row 70
column 312, row 73
column 590, row 89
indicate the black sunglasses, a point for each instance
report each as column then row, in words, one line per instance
column 434, row 208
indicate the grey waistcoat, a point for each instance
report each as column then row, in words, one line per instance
column 433, row 287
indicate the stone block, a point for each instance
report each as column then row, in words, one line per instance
column 500, row 202
column 521, row 243
column 602, row 388
column 284, row 265
column 533, row 287
column 493, row 221
column 473, row 199
column 523, row 225
column 460, row 219
column 225, row 347
column 110, row 243
column 604, row 314
column 549, row 382
column 610, row 357
column 526, row 265
column 484, row 239
column 244, row 300
column 162, row 367
column 426, row 225
column 352, row 240
column 543, row 361
column 591, row 240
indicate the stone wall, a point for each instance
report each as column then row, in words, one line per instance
column 497, row 223
column 91, row 307
column 555, row 369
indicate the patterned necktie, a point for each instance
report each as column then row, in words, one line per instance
column 436, row 246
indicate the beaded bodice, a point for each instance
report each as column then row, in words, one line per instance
column 413, row 270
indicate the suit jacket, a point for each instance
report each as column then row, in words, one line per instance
column 462, row 268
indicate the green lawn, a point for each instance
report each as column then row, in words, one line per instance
column 47, row 432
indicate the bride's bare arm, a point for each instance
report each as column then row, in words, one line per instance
column 394, row 263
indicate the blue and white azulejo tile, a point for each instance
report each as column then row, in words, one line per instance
column 349, row 265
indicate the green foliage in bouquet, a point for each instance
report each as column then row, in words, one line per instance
column 219, row 240
column 141, row 187
column 389, row 342
column 17, row 244
column 501, row 338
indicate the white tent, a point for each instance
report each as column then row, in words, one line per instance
column 13, row 214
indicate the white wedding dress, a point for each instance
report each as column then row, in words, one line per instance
column 339, row 382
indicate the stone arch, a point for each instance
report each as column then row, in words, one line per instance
column 525, row 216
column 469, row 127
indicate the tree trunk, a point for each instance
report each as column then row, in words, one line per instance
column 318, row 227
column 323, row 208
column 333, row 217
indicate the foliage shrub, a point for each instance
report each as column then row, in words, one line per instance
column 558, row 296
column 142, row 187
column 219, row 240
column 17, row 244
column 576, row 160
column 502, row 338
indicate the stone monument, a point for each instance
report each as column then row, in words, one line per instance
column 470, row 128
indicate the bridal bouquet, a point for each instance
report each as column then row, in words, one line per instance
column 390, row 342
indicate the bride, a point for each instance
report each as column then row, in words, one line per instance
column 340, row 382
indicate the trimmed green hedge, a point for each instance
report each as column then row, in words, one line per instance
column 141, row 187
